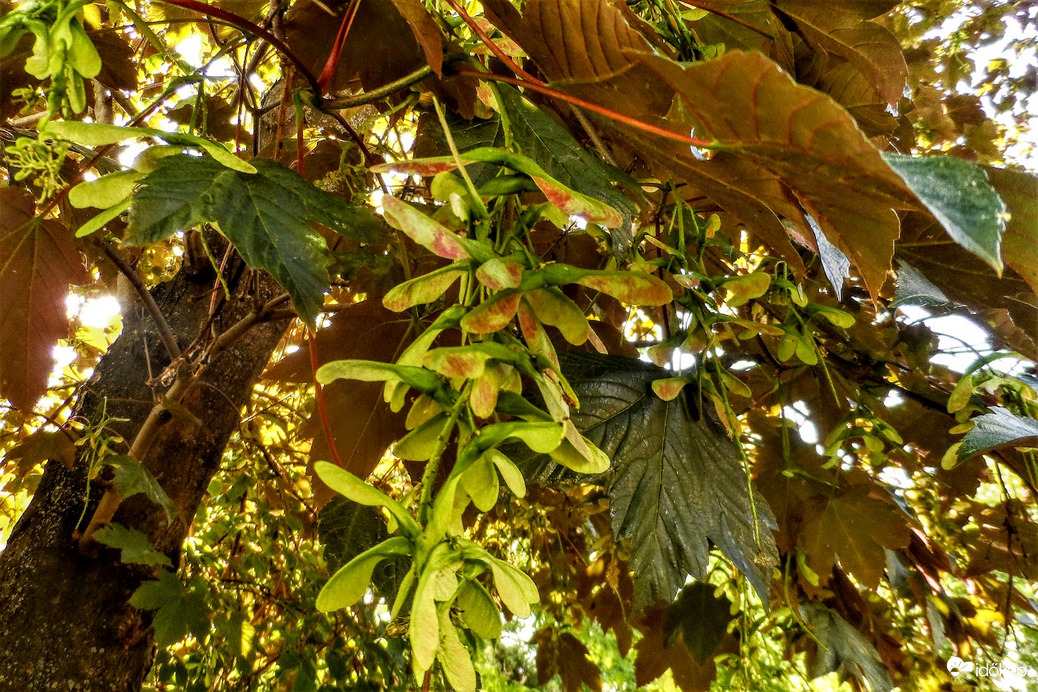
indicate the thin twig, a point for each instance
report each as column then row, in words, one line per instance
column 265, row 313
column 372, row 95
column 730, row 17
column 595, row 139
column 332, row 64
column 322, row 405
column 594, row 108
column 245, row 25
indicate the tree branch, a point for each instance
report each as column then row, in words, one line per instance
column 165, row 333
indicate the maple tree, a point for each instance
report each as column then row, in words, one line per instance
column 604, row 326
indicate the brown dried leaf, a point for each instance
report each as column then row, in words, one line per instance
column 856, row 524
column 38, row 261
column 41, row 446
column 362, row 424
column 745, row 103
column 838, row 28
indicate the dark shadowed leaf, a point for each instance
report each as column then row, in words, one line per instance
column 38, row 261
column 179, row 609
column 131, row 478
column 563, row 654
column 1000, row 428
column 676, row 480
column 426, row 32
column 1005, row 306
column 915, row 289
column 347, row 529
column 657, row 653
column 846, row 650
column 362, row 423
column 135, row 546
column 1004, row 540
column 702, row 618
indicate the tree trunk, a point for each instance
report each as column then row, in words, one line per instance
column 65, row 620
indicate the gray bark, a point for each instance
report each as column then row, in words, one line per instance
column 65, row 620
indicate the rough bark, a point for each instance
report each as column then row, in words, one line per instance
column 65, row 620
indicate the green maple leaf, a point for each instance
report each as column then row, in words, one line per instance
column 135, row 546
column 1000, row 428
column 266, row 215
column 179, row 610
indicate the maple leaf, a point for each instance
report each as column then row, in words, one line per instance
column 1019, row 190
column 662, row 648
column 838, row 28
column 675, row 481
column 179, row 609
column 563, row 654
column 1000, row 428
column 857, row 526
column 1003, row 540
column 809, row 149
column 38, row 262
column 748, row 106
column 134, row 546
column 408, row 37
column 702, row 619
column 846, row 650
column 361, row 422
column 265, row 215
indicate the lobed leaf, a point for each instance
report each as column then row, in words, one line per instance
column 38, row 262
column 856, row 526
column 266, row 216
column 134, row 546
column 676, row 481
column 131, row 477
